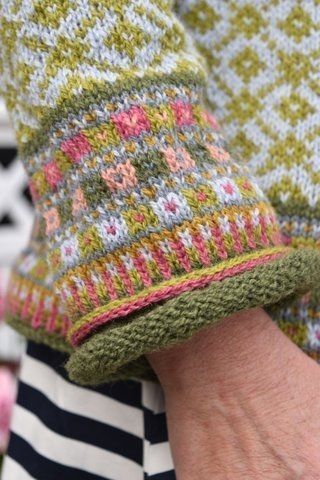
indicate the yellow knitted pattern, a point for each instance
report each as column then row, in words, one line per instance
column 264, row 61
column 52, row 50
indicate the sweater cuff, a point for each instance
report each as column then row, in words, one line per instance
column 142, row 202
column 31, row 305
column 117, row 351
column 146, row 217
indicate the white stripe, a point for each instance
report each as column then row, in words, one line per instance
column 13, row 471
column 81, row 401
column 72, row 453
column 157, row 458
column 152, row 397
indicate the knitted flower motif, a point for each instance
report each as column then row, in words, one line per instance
column 120, row 177
column 52, row 174
column 70, row 251
column 178, row 159
column 52, row 220
column 171, row 209
column 183, row 113
column 7, row 397
column 113, row 231
column 227, row 191
column 76, row 147
column 131, row 122
column 218, row 153
column 79, row 202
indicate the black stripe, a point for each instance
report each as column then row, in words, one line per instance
column 155, row 427
column 78, row 427
column 169, row 475
column 127, row 392
column 42, row 468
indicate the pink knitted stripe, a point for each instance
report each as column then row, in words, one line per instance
column 125, row 279
column 182, row 255
column 236, row 238
column 199, row 243
column 37, row 317
column 162, row 263
column 141, row 267
column 109, row 284
column 65, row 326
column 219, row 242
column 25, row 309
column 51, row 323
column 250, row 234
column 165, row 293
column 92, row 292
column 77, row 299
column 263, row 224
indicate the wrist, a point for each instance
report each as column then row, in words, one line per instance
column 240, row 354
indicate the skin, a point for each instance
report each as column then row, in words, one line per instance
column 242, row 403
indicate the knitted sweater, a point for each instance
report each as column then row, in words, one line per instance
column 263, row 84
column 147, row 229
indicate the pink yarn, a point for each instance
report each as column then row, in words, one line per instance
column 76, row 147
column 132, row 122
column 165, row 293
column 7, row 399
column 183, row 113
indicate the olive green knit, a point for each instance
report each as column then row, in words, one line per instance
column 104, row 357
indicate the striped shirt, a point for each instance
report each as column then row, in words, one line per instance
column 65, row 431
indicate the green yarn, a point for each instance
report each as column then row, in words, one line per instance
column 113, row 353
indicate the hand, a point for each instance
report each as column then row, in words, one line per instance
column 243, row 402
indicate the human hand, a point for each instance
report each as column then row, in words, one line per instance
column 242, row 402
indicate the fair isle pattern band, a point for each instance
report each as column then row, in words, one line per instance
column 139, row 189
column 193, row 245
column 300, row 320
column 30, row 297
column 38, row 313
column 198, row 279
column 36, row 305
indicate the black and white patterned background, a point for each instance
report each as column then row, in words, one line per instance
column 16, row 216
column 15, row 204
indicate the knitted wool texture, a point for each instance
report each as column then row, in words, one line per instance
column 147, row 229
column 264, row 62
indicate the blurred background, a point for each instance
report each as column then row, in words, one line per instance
column 16, row 215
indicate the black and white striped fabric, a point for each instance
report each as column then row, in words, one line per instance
column 61, row 431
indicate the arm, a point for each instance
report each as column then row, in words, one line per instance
column 241, row 402
column 152, row 231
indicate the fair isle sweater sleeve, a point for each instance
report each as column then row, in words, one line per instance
column 151, row 230
column 263, row 84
